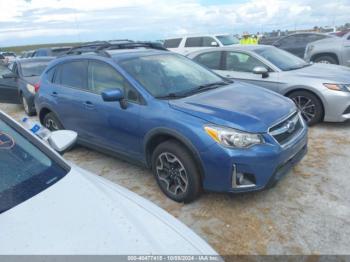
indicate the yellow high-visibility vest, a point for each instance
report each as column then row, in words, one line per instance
column 247, row 41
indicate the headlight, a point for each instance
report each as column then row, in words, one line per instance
column 233, row 138
column 338, row 87
column 31, row 89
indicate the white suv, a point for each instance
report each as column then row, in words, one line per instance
column 187, row 44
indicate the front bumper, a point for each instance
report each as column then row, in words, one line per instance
column 337, row 106
column 267, row 163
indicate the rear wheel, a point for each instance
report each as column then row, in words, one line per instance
column 326, row 59
column 309, row 105
column 176, row 171
column 52, row 122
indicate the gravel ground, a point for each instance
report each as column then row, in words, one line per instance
column 308, row 212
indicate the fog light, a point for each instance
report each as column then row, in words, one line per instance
column 242, row 180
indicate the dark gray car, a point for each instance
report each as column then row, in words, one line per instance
column 20, row 81
column 322, row 92
column 296, row 43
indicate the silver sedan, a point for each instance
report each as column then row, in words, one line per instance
column 321, row 91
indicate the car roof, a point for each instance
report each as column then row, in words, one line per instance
column 197, row 35
column 34, row 59
column 115, row 55
column 304, row 33
column 244, row 48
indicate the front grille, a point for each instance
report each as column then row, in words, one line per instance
column 287, row 129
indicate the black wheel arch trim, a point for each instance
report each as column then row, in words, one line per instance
column 45, row 108
column 177, row 135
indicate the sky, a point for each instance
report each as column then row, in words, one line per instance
column 25, row 22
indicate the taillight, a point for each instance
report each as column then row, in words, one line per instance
column 37, row 87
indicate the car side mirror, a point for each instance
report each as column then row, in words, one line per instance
column 9, row 75
column 214, row 44
column 62, row 140
column 113, row 95
column 261, row 70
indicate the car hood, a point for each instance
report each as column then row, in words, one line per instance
column 85, row 214
column 328, row 40
column 241, row 106
column 32, row 79
column 324, row 72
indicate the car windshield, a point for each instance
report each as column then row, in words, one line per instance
column 227, row 39
column 24, row 169
column 33, row 68
column 281, row 59
column 169, row 74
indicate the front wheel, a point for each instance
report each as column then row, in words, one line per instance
column 52, row 122
column 176, row 171
column 28, row 109
column 326, row 59
column 309, row 105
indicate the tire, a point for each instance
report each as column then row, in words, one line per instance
column 326, row 59
column 28, row 109
column 52, row 122
column 310, row 106
column 184, row 183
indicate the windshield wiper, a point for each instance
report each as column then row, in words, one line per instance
column 297, row 67
column 208, row 87
column 196, row 90
column 170, row 96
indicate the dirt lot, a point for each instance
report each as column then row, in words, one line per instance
column 308, row 212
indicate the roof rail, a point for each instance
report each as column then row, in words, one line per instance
column 87, row 47
column 86, row 52
column 131, row 45
column 101, row 47
column 120, row 41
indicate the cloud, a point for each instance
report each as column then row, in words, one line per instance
column 41, row 21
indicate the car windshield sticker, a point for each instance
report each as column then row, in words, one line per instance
column 6, row 141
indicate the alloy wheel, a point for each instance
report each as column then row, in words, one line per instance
column 324, row 62
column 171, row 173
column 306, row 106
column 51, row 124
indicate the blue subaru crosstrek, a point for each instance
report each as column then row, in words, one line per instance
column 194, row 129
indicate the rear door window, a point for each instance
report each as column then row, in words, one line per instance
column 194, row 42
column 73, row 74
column 211, row 60
column 199, row 41
column 172, row 43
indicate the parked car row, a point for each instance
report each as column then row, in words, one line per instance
column 178, row 116
column 205, row 122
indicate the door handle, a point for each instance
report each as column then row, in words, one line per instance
column 89, row 105
column 54, row 94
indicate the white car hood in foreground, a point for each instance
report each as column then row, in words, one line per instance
column 85, row 214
